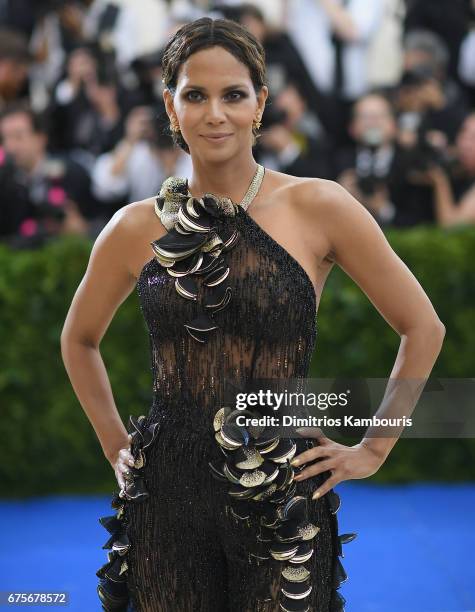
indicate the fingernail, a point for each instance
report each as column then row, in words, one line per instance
column 316, row 494
column 295, row 462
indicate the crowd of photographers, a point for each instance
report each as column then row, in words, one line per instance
column 376, row 94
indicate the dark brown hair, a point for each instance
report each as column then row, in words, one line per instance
column 204, row 33
column 14, row 46
column 38, row 121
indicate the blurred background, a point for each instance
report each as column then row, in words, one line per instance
column 378, row 95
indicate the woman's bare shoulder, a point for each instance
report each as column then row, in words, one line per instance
column 319, row 192
column 308, row 190
column 138, row 220
column 130, row 231
column 136, row 216
column 325, row 202
column 327, row 210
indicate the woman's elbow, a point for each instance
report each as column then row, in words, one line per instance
column 71, row 337
column 431, row 331
column 434, row 332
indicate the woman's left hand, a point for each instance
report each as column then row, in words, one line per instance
column 344, row 462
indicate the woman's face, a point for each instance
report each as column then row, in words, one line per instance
column 215, row 96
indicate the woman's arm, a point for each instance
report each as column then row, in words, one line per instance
column 361, row 249
column 105, row 285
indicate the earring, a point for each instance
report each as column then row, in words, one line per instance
column 174, row 126
column 256, row 124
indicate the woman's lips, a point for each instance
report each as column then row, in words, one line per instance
column 217, row 138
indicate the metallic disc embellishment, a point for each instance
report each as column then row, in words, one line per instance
column 308, row 531
column 252, row 479
column 297, row 595
column 295, row 573
column 112, row 589
column 192, row 225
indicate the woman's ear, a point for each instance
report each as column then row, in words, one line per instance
column 262, row 97
column 168, row 100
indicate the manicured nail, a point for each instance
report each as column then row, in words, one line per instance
column 295, row 462
column 316, row 494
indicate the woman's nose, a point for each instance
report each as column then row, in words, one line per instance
column 215, row 111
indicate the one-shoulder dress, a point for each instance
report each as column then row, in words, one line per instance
column 211, row 519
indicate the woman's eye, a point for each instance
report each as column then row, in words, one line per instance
column 233, row 95
column 238, row 93
column 192, row 92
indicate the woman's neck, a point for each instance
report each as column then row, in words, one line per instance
column 231, row 180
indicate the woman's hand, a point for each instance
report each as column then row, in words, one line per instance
column 120, row 464
column 344, row 462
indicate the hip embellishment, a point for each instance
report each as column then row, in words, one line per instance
column 256, row 466
column 112, row 588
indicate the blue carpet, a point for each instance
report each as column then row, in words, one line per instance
column 414, row 550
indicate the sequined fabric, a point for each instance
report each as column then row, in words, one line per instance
column 178, row 541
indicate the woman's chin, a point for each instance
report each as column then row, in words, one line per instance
column 217, row 153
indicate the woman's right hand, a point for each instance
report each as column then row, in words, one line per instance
column 122, row 464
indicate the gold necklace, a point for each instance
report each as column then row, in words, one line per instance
column 253, row 188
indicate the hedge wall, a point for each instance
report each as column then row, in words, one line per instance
column 48, row 443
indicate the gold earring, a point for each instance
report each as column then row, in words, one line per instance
column 256, row 124
column 174, row 126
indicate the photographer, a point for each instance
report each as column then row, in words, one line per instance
column 15, row 61
column 457, row 182
column 427, row 89
column 427, row 129
column 140, row 162
column 365, row 169
column 41, row 196
column 291, row 139
column 85, row 110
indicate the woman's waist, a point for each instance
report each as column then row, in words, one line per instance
column 182, row 419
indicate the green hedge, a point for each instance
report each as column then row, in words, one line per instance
column 48, row 444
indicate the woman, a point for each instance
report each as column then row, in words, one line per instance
column 210, row 516
column 448, row 210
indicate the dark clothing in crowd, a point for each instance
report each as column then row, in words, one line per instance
column 413, row 203
column 20, row 14
column 450, row 118
column 77, row 125
column 449, row 19
column 45, row 194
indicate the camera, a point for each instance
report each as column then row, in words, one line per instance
column 273, row 116
column 423, row 155
column 371, row 170
column 49, row 196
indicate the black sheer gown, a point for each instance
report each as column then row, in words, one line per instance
column 211, row 519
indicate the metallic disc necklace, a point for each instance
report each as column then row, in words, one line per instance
column 175, row 193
